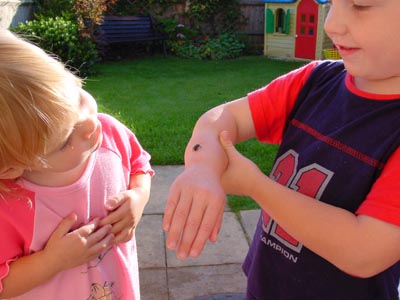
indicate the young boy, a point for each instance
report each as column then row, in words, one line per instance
column 73, row 185
column 330, row 222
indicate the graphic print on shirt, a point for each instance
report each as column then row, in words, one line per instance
column 99, row 259
column 102, row 292
column 310, row 180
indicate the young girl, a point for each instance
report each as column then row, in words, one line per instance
column 73, row 185
column 330, row 222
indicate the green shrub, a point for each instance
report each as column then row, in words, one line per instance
column 177, row 32
column 224, row 46
column 52, row 8
column 62, row 38
column 212, row 17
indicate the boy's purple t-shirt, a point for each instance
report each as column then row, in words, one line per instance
column 335, row 144
column 27, row 222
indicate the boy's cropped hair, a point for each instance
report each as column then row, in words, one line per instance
column 33, row 89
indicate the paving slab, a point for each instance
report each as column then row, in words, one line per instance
column 150, row 242
column 161, row 182
column 190, row 282
column 231, row 247
column 153, row 284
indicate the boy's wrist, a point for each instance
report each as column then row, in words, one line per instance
column 203, row 157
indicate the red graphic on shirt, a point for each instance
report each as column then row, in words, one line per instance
column 310, row 180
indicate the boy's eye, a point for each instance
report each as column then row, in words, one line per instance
column 360, row 7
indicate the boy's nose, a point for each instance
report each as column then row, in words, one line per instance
column 335, row 22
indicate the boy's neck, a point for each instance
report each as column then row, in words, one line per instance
column 388, row 86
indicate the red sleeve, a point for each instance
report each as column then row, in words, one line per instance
column 16, row 226
column 271, row 105
column 383, row 201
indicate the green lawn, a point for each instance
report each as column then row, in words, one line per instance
column 160, row 99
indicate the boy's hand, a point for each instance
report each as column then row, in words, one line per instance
column 238, row 177
column 194, row 211
column 67, row 249
column 126, row 209
column 196, row 201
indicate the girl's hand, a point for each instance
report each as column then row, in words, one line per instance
column 126, row 208
column 238, row 178
column 67, row 249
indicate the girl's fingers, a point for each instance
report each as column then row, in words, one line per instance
column 88, row 229
column 98, row 235
column 65, row 226
column 103, row 243
column 114, row 202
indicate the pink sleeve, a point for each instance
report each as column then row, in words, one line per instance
column 118, row 136
column 382, row 202
column 16, row 228
column 271, row 105
column 140, row 160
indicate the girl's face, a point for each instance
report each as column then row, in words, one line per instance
column 75, row 142
column 367, row 35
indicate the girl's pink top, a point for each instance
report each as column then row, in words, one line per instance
column 27, row 221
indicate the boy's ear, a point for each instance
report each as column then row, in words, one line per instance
column 11, row 173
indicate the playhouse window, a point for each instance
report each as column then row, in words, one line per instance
column 278, row 22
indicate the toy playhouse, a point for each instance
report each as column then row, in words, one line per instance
column 295, row 29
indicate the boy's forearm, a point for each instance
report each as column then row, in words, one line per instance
column 196, row 197
column 234, row 117
column 27, row 273
column 204, row 147
column 324, row 228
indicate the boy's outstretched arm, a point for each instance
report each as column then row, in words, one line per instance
column 194, row 209
column 357, row 244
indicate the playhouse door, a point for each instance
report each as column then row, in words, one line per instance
column 306, row 29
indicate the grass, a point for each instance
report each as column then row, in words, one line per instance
column 160, row 99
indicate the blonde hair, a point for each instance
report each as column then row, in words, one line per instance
column 34, row 87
